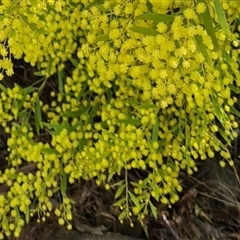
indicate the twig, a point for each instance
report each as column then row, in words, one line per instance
column 170, row 228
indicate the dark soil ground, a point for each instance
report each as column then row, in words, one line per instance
column 208, row 208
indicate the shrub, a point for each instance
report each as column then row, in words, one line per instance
column 152, row 88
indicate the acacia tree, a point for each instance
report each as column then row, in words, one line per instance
column 151, row 89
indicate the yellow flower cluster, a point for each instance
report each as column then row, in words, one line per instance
column 50, row 32
column 147, row 92
column 26, row 185
column 33, row 167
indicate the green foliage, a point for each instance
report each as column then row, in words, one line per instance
column 151, row 90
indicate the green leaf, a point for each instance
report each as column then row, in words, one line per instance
column 17, row 217
column 145, row 31
column 94, row 3
column 53, row 126
column 41, row 73
column 145, row 228
column 155, row 131
column 234, row 111
column 224, row 135
column 103, row 37
column 94, row 109
column 122, row 215
column 147, row 106
column 60, row 81
column 155, row 17
column 149, row 6
column 129, row 81
column 76, row 113
column 4, row 89
column 226, row 57
column 15, row 105
column 101, row 8
column 28, row 90
column 234, row 88
column 38, row 116
column 143, row 197
column 2, row 16
column 135, row 184
column 82, row 142
column 153, row 210
column 218, row 111
column 221, row 17
column 119, row 202
column 74, row 62
column 207, row 20
column 203, row 50
column 83, row 90
column 130, row 121
column 63, row 186
column 49, row 68
column 109, row 95
column 50, row 7
column 217, row 141
column 175, row 128
column 49, row 151
column 120, row 183
column 134, row 199
column 40, row 30
column 33, row 2
column 43, row 84
column 5, row 224
column 71, row 3
column 26, row 213
column 13, row 33
column 56, row 127
column 10, row 9
column 119, row 191
column 33, row 26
